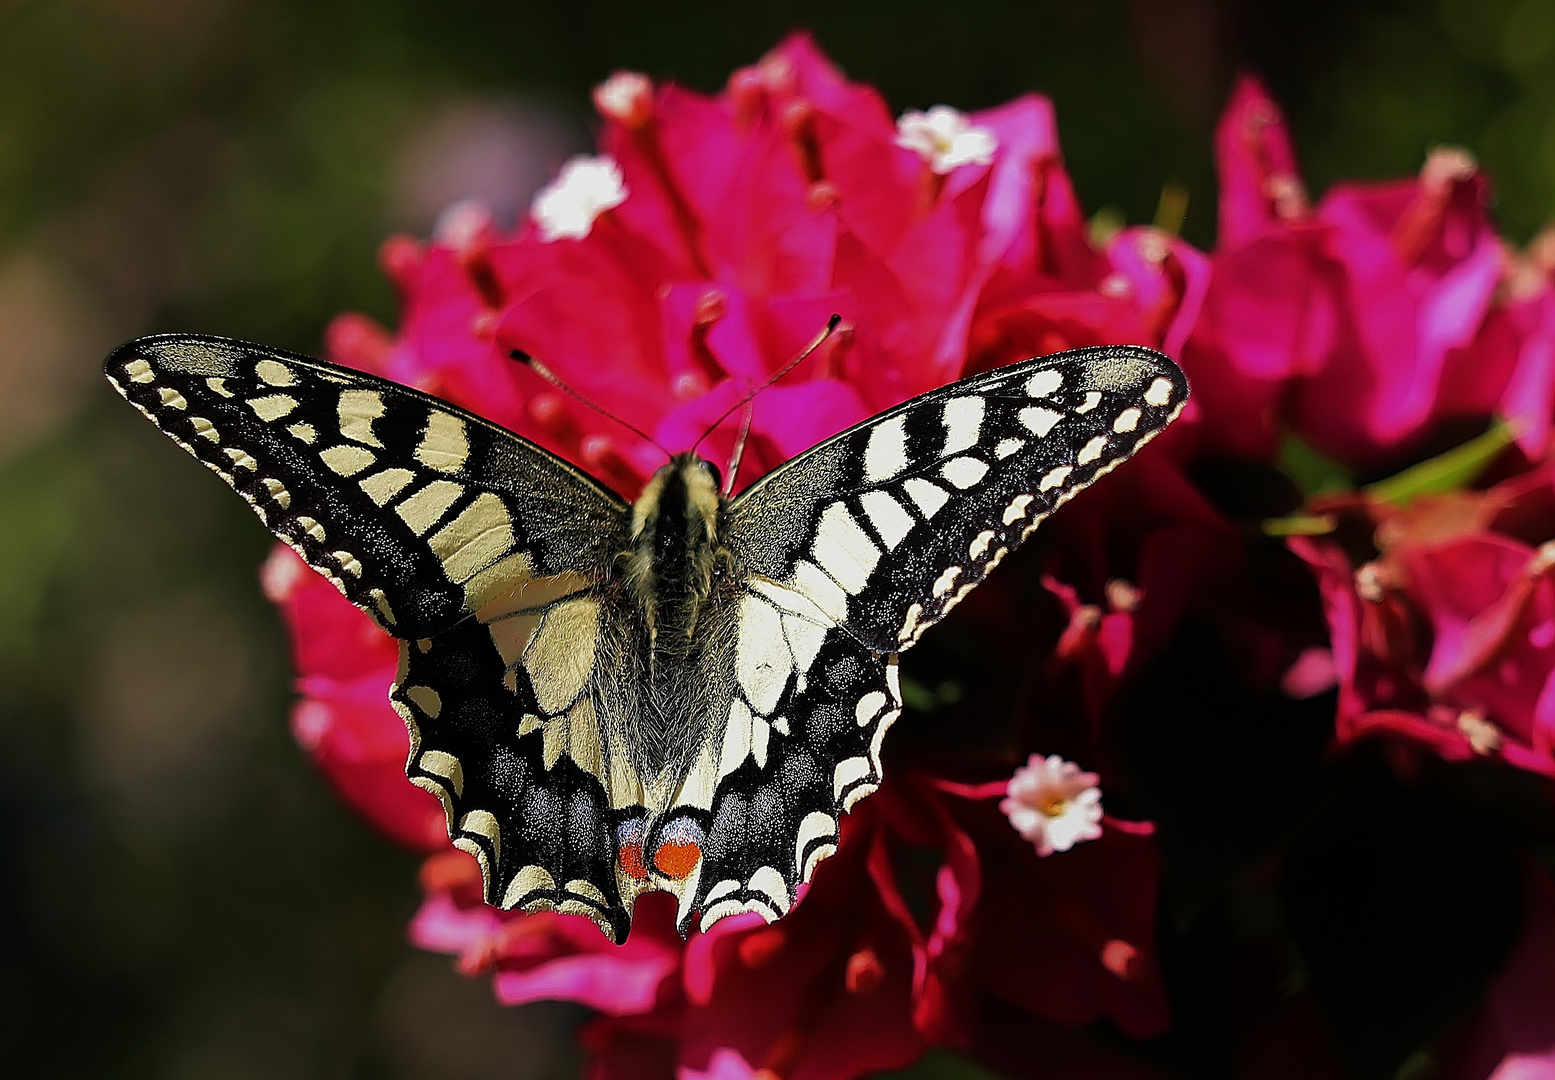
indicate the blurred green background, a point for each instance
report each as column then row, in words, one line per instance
column 180, row 894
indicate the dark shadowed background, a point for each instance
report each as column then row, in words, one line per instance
column 180, row 893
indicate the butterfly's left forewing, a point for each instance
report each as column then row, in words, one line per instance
column 858, row 546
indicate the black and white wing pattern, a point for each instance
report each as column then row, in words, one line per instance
column 522, row 680
column 859, row 545
column 431, row 511
column 423, row 515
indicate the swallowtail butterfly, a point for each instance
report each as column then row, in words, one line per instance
column 682, row 693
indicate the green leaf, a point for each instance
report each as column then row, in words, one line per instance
column 1300, row 525
column 1451, row 471
column 940, row 1065
column 1310, row 471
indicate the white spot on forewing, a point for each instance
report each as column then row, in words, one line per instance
column 272, row 407
column 274, row 372
column 1055, row 478
column 1043, row 383
column 1039, row 419
column 357, row 410
column 843, row 549
column 963, row 420
column 1092, row 399
column 481, row 534
column 383, row 486
column 887, row 516
column 278, row 492
column 885, row 454
column 1092, row 450
column 1160, row 392
column 303, row 433
column 1127, row 420
column 241, row 459
column 928, row 497
column 1007, row 447
column 172, row 398
column 444, row 444
column 762, row 660
column 426, row 507
column 219, row 386
column 347, row 460
column 205, row 429
column 980, row 543
column 139, row 371
column 964, row 472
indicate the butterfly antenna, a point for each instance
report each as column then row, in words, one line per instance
column 739, row 448
column 555, row 380
column 831, row 328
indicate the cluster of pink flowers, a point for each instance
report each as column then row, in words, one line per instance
column 1197, row 634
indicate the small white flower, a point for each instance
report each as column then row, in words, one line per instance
column 627, row 97
column 586, row 187
column 461, row 224
column 945, row 138
column 1054, row 805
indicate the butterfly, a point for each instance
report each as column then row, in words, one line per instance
column 682, row 693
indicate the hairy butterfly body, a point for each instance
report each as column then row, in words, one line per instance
column 681, row 694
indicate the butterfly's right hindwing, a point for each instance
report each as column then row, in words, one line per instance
column 419, row 512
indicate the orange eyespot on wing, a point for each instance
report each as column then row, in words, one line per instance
column 629, row 849
column 678, row 850
column 676, row 860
